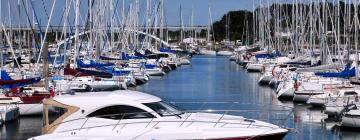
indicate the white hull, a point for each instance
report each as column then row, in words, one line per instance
column 224, row 53
column 351, row 119
column 350, row 122
column 185, row 61
column 303, row 96
column 319, row 102
column 66, row 86
column 8, row 112
column 265, row 79
column 233, row 58
column 30, row 109
column 333, row 110
column 286, row 93
column 300, row 98
column 206, row 128
column 154, row 72
column 208, row 52
column 255, row 67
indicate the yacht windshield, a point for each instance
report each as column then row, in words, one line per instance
column 164, row 109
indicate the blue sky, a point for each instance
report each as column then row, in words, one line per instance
column 201, row 14
column 172, row 10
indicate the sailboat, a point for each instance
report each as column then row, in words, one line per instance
column 207, row 50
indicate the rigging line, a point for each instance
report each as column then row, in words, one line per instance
column 46, row 31
column 31, row 26
column 47, row 15
column 11, row 47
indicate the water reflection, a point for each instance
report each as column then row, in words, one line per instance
column 215, row 79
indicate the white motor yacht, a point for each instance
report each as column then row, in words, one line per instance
column 136, row 115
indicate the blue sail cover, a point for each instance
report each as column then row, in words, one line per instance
column 111, row 69
column 108, row 58
column 59, row 60
column 167, row 50
column 271, row 55
column 125, row 56
column 93, row 64
column 150, row 66
column 121, row 72
column 347, row 72
column 5, row 76
column 7, row 82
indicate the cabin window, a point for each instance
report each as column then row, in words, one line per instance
column 118, row 112
column 350, row 93
column 163, row 55
column 283, row 66
column 55, row 112
column 164, row 109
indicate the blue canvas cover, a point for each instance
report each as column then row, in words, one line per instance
column 7, row 82
column 95, row 73
column 59, row 60
column 346, row 73
column 93, row 64
column 150, row 66
column 271, row 55
column 125, row 56
column 167, row 50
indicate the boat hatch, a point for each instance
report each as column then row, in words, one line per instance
column 54, row 113
column 164, row 109
column 118, row 112
column 350, row 93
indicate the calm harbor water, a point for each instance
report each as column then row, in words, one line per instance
column 216, row 83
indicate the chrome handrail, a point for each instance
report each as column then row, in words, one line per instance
column 166, row 121
column 189, row 112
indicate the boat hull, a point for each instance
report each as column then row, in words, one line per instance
column 277, row 136
column 303, row 96
column 8, row 113
column 184, row 61
column 350, row 121
column 265, row 79
column 287, row 93
column 30, row 109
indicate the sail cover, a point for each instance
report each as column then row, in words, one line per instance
column 346, row 73
column 7, row 82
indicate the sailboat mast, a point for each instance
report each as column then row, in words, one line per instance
column 77, row 26
column 161, row 22
column 208, row 28
column 65, row 30
column 1, row 38
column 90, row 4
column 181, row 26
column 356, row 38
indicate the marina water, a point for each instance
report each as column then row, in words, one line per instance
column 217, row 83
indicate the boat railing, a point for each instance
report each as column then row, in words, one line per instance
column 244, row 123
column 239, row 108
